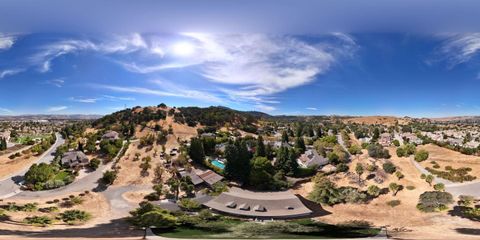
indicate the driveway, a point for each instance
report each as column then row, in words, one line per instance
column 342, row 143
column 9, row 185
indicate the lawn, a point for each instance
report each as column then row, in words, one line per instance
column 263, row 231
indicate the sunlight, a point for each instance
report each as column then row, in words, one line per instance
column 183, row 49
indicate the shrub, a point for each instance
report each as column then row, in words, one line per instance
column 109, row 177
column 399, row 175
column 29, row 207
column 48, row 209
column 421, row 155
column 434, row 201
column 439, row 187
column 75, row 216
column 410, row 187
column 38, row 220
column 389, row 167
column 189, row 204
column 342, row 167
column 393, row 203
column 373, row 190
column 94, row 163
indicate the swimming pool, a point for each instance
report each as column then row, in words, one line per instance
column 218, row 164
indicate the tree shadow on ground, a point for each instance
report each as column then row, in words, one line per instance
column 468, row 231
column 457, row 211
column 115, row 229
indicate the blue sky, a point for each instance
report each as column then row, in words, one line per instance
column 314, row 74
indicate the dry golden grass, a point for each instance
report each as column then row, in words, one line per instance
column 385, row 120
column 446, row 157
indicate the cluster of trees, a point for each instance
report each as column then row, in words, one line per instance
column 434, row 201
column 406, row 150
column 130, row 117
column 216, row 116
column 326, row 192
column 111, row 148
column 46, row 176
column 44, row 145
column 377, row 151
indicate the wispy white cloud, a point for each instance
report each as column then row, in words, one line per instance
column 9, row 72
column 114, row 98
column 312, row 108
column 173, row 91
column 6, row 41
column 57, row 108
column 459, row 48
column 264, row 108
column 84, row 100
column 57, row 82
column 5, row 110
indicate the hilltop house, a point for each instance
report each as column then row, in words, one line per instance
column 311, row 158
column 412, row 138
column 74, row 159
column 111, row 136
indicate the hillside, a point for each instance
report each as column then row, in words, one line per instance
column 384, row 120
column 180, row 118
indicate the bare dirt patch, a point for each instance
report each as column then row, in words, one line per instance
column 9, row 166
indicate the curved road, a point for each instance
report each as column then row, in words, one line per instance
column 9, row 185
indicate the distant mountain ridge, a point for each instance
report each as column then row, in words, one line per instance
column 38, row 117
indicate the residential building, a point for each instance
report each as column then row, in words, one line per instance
column 311, row 158
column 74, row 159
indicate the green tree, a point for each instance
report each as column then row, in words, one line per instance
column 394, row 187
column 39, row 173
column 148, row 215
column 109, row 177
column 300, row 144
column 284, row 137
column 237, row 166
column 373, row 190
column 433, row 201
column 439, row 187
column 359, row 170
column 421, row 155
column 389, row 167
column 429, row 179
column 94, row 163
column 260, row 148
column 261, row 173
column 196, row 151
column 324, row 191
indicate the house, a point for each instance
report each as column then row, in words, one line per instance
column 365, row 139
column 110, row 136
column 385, row 139
column 74, row 159
column 211, row 135
column 210, row 177
column 311, row 158
column 196, row 180
column 262, row 205
column 412, row 138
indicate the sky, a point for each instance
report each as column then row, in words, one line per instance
column 277, row 71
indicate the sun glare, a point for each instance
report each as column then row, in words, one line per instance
column 183, row 49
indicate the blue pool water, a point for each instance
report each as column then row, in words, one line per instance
column 218, row 164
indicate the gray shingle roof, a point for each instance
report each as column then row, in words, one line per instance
column 239, row 202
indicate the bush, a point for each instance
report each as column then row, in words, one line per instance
column 94, row 163
column 389, row 167
column 342, row 167
column 189, row 204
column 393, row 203
column 434, row 201
column 75, row 216
column 439, row 187
column 109, row 177
column 38, row 220
column 377, row 151
column 421, row 155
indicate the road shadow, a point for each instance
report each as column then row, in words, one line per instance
column 468, row 231
column 316, row 208
column 115, row 229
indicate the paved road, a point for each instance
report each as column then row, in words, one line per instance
column 89, row 182
column 9, row 185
